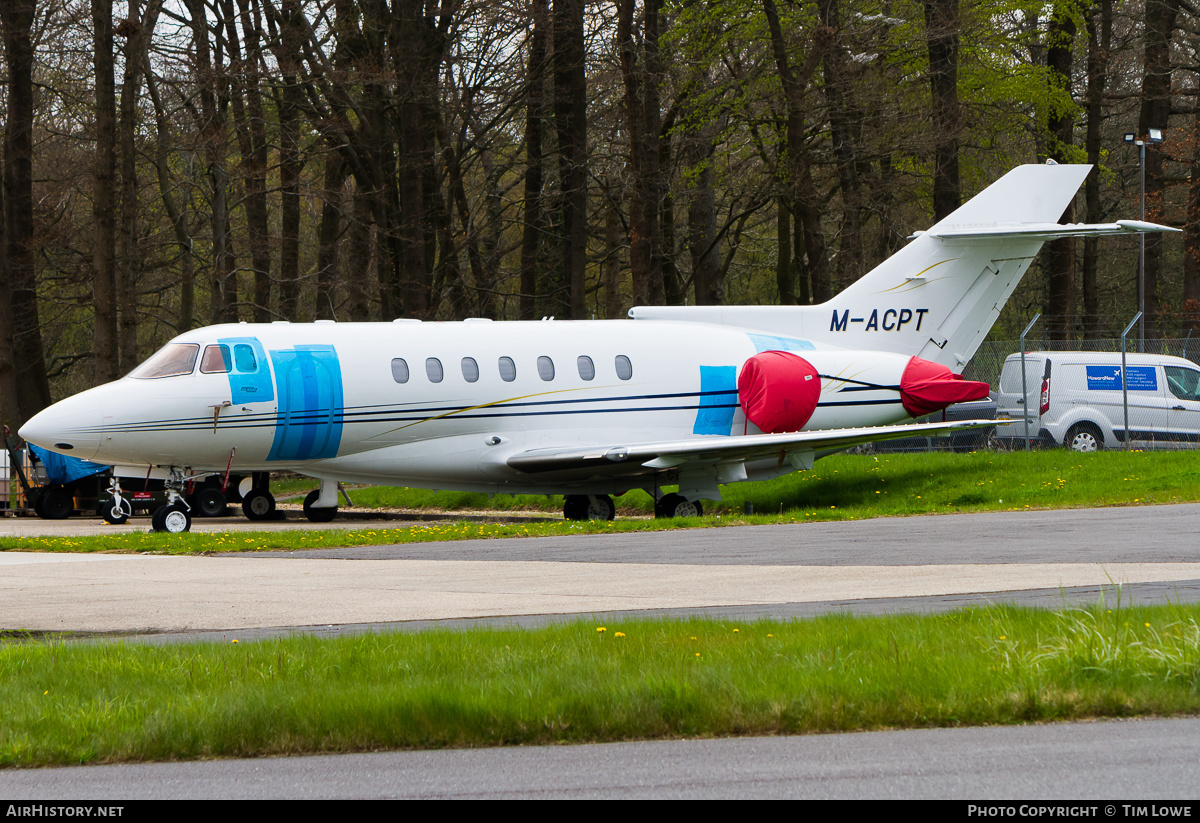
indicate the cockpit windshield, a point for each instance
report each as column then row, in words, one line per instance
column 171, row 360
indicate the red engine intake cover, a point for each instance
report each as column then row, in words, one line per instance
column 778, row 391
column 928, row 387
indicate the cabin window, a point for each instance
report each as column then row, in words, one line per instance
column 399, row 370
column 545, row 368
column 624, row 367
column 244, row 359
column 508, row 369
column 433, row 369
column 215, row 360
column 171, row 360
column 470, row 369
column 587, row 369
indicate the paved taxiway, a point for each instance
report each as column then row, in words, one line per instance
column 764, row 570
column 919, row 563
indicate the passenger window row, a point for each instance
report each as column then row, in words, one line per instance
column 508, row 369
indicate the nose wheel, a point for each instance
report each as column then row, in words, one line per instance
column 175, row 517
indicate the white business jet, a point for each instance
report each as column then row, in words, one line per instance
column 688, row 396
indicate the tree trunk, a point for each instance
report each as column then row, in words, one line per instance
column 104, row 200
column 942, row 33
column 1156, row 110
column 1060, row 270
column 570, row 119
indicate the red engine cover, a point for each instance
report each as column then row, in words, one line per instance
column 928, row 387
column 778, row 391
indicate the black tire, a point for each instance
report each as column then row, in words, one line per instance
column 209, row 502
column 575, row 507
column 57, row 503
column 317, row 514
column 589, row 507
column 258, row 505
column 675, row 505
column 113, row 513
column 1084, row 437
column 171, row 519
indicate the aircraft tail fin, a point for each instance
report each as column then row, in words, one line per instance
column 938, row 297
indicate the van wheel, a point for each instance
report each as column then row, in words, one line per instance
column 1084, row 437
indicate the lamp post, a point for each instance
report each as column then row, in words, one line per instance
column 1152, row 136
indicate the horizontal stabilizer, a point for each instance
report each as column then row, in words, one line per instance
column 1044, row 231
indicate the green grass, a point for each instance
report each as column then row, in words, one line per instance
column 573, row 683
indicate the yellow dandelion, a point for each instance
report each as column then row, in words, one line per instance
column 601, row 629
column 618, row 634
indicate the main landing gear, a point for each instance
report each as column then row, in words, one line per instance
column 258, row 503
column 676, row 505
column 320, row 506
column 589, row 507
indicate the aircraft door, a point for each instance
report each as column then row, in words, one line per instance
column 309, row 423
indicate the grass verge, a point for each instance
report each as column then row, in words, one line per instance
column 579, row 682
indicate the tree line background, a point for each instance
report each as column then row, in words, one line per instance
column 175, row 163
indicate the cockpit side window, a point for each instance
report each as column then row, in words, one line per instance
column 216, row 360
column 171, row 360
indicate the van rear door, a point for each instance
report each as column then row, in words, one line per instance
column 1009, row 400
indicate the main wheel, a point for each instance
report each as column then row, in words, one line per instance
column 317, row 514
column 171, row 519
column 589, row 507
column 1084, row 437
column 675, row 505
column 209, row 502
column 57, row 503
column 258, row 505
column 113, row 512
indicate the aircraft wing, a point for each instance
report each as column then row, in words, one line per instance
column 796, row 447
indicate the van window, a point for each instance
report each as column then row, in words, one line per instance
column 508, row 369
column 470, row 369
column 1183, row 382
column 1010, row 377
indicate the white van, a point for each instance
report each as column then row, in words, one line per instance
column 1075, row 399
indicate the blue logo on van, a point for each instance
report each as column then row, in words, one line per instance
column 1108, row 378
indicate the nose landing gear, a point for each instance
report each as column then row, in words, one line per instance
column 175, row 517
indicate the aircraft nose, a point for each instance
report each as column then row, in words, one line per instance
column 73, row 427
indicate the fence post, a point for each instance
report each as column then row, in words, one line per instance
column 1024, row 388
column 1124, row 382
